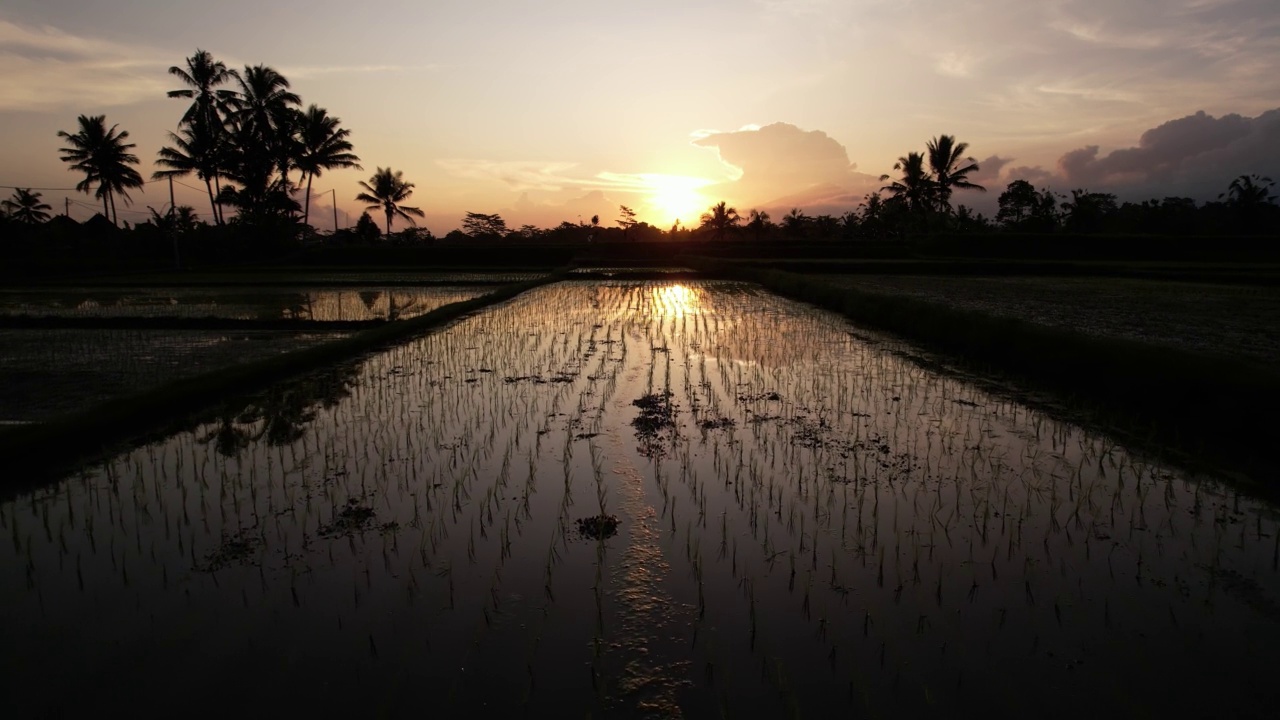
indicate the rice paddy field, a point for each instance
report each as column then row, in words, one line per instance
column 333, row 304
column 639, row 499
column 1237, row 320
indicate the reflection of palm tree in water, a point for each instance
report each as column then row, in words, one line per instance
column 281, row 415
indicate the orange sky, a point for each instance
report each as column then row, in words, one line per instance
column 560, row 109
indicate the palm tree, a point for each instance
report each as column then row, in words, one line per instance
column 387, row 190
column 323, row 146
column 759, row 222
column 1249, row 191
column 946, row 158
column 205, row 116
column 266, row 109
column 202, row 76
column 195, row 150
column 916, row 187
column 26, row 206
column 720, row 219
column 104, row 158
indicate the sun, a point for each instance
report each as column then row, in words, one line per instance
column 675, row 197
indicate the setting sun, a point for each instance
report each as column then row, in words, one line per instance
column 674, row 197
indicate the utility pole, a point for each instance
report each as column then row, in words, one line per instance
column 335, row 209
column 66, row 207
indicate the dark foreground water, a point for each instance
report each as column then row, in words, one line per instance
column 808, row 523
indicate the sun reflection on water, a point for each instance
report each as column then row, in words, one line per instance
column 676, row 301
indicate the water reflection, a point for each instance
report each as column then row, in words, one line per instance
column 831, row 529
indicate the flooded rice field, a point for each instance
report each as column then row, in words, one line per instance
column 1240, row 320
column 46, row 373
column 639, row 499
column 243, row 303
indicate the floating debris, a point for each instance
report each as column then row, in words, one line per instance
column 238, row 549
column 598, row 527
column 354, row 518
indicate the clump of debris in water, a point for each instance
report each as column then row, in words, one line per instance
column 598, row 527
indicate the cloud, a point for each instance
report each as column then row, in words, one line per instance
column 783, row 161
column 309, row 71
column 955, row 64
column 988, row 174
column 517, row 175
column 1033, row 174
column 1184, row 153
column 43, row 68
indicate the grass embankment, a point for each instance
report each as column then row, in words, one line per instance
column 40, row 322
column 38, row 454
column 1204, row 411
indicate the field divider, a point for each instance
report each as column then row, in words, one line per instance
column 43, row 452
column 1205, row 411
column 168, row 322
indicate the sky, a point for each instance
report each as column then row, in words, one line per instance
column 554, row 110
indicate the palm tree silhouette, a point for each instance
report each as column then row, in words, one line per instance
column 195, row 150
column 946, row 158
column 720, row 219
column 323, row 146
column 916, row 187
column 104, row 158
column 266, row 109
column 202, row 76
column 206, row 115
column 26, row 206
column 386, row 190
column 1249, row 191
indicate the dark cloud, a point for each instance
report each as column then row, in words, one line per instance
column 988, row 174
column 1033, row 174
column 1184, row 155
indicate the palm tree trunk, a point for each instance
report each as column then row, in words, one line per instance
column 106, row 212
column 217, row 186
column 306, row 204
column 388, row 224
column 213, row 206
column 115, row 216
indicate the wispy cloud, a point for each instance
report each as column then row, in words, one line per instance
column 525, row 176
column 310, row 71
column 44, row 68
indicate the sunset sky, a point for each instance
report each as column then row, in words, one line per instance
column 551, row 110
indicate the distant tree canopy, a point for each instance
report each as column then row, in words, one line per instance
column 480, row 225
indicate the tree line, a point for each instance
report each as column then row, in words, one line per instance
column 247, row 138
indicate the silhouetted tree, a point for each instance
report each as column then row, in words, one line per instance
column 1022, row 207
column 1087, row 211
column 103, row 156
column 480, row 225
column 202, row 76
column 386, row 190
column 204, row 118
column 950, row 169
column 264, row 115
column 758, row 223
column 366, row 229
column 916, row 187
column 626, row 220
column 26, row 206
column 1249, row 199
column 323, row 145
column 194, row 150
column 795, row 223
column 719, row 220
